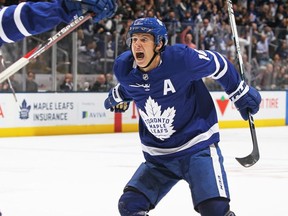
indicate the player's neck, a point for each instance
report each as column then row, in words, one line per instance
column 155, row 63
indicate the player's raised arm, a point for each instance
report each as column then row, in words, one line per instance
column 206, row 63
column 246, row 98
column 30, row 18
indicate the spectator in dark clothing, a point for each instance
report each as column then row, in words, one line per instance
column 100, row 84
column 67, row 84
column 31, row 85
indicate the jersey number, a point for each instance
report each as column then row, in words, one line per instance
column 202, row 55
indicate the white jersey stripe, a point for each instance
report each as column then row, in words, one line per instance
column 153, row 151
column 224, row 70
column 18, row 21
column 217, row 63
column 217, row 171
column 2, row 33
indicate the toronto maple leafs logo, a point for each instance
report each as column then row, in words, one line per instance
column 24, row 110
column 158, row 123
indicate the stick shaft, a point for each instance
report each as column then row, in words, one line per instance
column 38, row 50
column 235, row 37
column 252, row 158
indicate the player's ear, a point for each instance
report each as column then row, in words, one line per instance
column 159, row 46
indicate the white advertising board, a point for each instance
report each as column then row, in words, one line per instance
column 53, row 109
column 36, row 110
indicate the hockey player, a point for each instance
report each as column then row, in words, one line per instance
column 31, row 18
column 178, row 127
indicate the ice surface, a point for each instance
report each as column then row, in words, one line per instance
column 83, row 175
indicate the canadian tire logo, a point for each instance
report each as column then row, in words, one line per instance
column 222, row 104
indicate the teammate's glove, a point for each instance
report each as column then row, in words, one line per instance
column 102, row 8
column 246, row 99
column 115, row 101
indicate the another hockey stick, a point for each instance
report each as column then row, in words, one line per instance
column 252, row 158
column 38, row 50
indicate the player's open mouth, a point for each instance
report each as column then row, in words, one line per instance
column 140, row 55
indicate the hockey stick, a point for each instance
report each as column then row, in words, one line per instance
column 38, row 50
column 254, row 156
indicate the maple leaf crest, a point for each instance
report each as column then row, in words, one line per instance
column 158, row 123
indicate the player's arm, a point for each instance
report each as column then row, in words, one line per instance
column 245, row 98
column 118, row 100
column 214, row 65
column 31, row 18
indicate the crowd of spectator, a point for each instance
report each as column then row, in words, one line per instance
column 201, row 24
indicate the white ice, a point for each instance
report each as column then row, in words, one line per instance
column 83, row 175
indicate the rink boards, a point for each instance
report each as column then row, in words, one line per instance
column 83, row 113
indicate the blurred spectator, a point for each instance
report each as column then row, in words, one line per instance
column 100, row 84
column 89, row 58
column 206, row 27
column 15, row 84
column 40, row 64
column 252, row 12
column 123, row 33
column 110, row 81
column 281, row 79
column 262, row 50
column 187, row 20
column 281, row 14
column 186, row 37
column 267, row 77
column 67, row 84
column 282, row 50
column 161, row 8
column 173, row 25
column 31, row 85
column 210, row 41
column 4, row 87
column 231, row 50
column 86, row 86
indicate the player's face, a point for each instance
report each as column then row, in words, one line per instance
column 142, row 46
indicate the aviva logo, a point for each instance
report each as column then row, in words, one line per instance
column 86, row 114
column 222, row 104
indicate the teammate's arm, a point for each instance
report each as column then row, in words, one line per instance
column 30, row 18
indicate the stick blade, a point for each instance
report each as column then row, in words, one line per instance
column 249, row 160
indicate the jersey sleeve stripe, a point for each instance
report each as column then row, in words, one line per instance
column 218, row 74
column 217, row 63
column 18, row 22
column 2, row 33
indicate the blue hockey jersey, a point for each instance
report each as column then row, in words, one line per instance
column 178, row 116
column 42, row 16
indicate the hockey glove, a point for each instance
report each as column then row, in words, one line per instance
column 246, row 99
column 115, row 101
column 120, row 108
column 102, row 8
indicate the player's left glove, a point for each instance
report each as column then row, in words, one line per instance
column 246, row 99
column 102, row 8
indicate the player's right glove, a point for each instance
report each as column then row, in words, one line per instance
column 120, row 108
column 115, row 101
column 246, row 99
column 102, row 8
